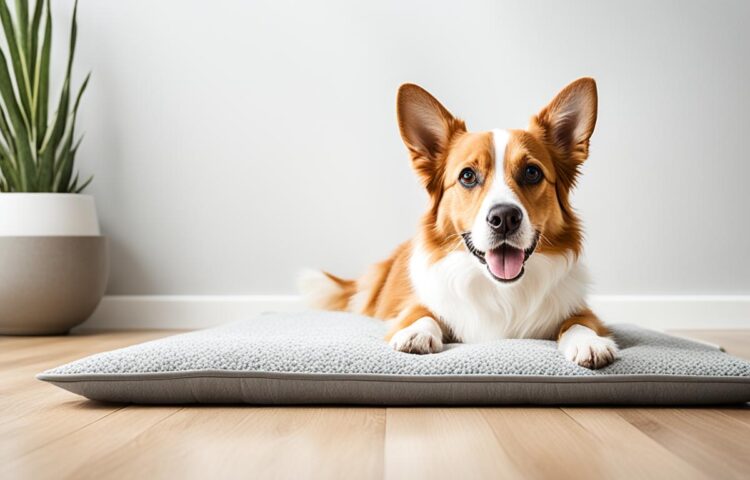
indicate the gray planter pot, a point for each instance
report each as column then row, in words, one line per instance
column 50, row 284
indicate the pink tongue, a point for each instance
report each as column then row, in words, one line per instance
column 505, row 262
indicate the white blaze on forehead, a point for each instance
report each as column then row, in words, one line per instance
column 499, row 191
column 500, row 140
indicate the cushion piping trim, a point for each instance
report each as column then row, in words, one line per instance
column 469, row 378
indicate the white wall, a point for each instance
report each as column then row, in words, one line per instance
column 234, row 142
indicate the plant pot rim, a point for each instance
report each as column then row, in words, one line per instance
column 48, row 214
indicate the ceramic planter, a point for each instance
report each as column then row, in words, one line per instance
column 54, row 263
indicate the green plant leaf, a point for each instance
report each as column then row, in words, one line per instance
column 41, row 81
column 63, row 167
column 22, row 24
column 51, row 143
column 82, row 89
column 58, row 129
column 64, row 164
column 73, row 37
column 36, row 20
column 18, row 60
column 67, row 168
column 7, row 134
column 10, row 174
column 26, row 165
column 10, row 181
column 85, row 184
column 4, row 151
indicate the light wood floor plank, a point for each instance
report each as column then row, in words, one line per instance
column 68, row 457
column 735, row 342
column 53, row 421
column 630, row 452
column 252, row 442
column 741, row 414
column 715, row 443
column 444, row 443
column 546, row 443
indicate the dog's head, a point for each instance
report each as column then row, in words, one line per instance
column 503, row 193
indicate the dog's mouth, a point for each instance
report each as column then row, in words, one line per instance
column 504, row 262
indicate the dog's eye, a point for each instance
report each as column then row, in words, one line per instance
column 532, row 175
column 468, row 178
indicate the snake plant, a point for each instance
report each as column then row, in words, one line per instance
column 37, row 149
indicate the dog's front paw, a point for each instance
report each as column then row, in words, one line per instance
column 416, row 341
column 588, row 350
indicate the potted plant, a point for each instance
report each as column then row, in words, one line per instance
column 53, row 260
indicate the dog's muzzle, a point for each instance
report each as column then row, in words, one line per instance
column 505, row 263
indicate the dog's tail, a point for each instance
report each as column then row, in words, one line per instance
column 324, row 291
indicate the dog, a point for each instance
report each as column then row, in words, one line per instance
column 497, row 252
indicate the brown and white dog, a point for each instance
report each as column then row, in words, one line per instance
column 497, row 253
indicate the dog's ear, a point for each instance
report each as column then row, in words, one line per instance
column 427, row 128
column 568, row 121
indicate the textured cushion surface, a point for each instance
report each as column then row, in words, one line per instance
column 342, row 358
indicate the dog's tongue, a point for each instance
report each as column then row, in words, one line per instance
column 505, row 262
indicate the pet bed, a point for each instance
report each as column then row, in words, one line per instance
column 339, row 358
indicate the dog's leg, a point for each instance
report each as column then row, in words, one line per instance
column 583, row 339
column 416, row 331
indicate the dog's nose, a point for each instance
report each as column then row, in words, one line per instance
column 504, row 218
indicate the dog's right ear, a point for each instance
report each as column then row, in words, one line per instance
column 427, row 128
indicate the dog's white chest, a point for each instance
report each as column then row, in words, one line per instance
column 478, row 309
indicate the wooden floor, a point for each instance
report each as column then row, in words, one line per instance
column 46, row 432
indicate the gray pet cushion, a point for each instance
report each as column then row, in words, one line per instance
column 342, row 358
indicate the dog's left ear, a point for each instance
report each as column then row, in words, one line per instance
column 568, row 121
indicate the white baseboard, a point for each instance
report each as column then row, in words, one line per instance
column 660, row 312
column 665, row 312
column 185, row 311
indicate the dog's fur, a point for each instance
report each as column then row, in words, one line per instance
column 461, row 278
